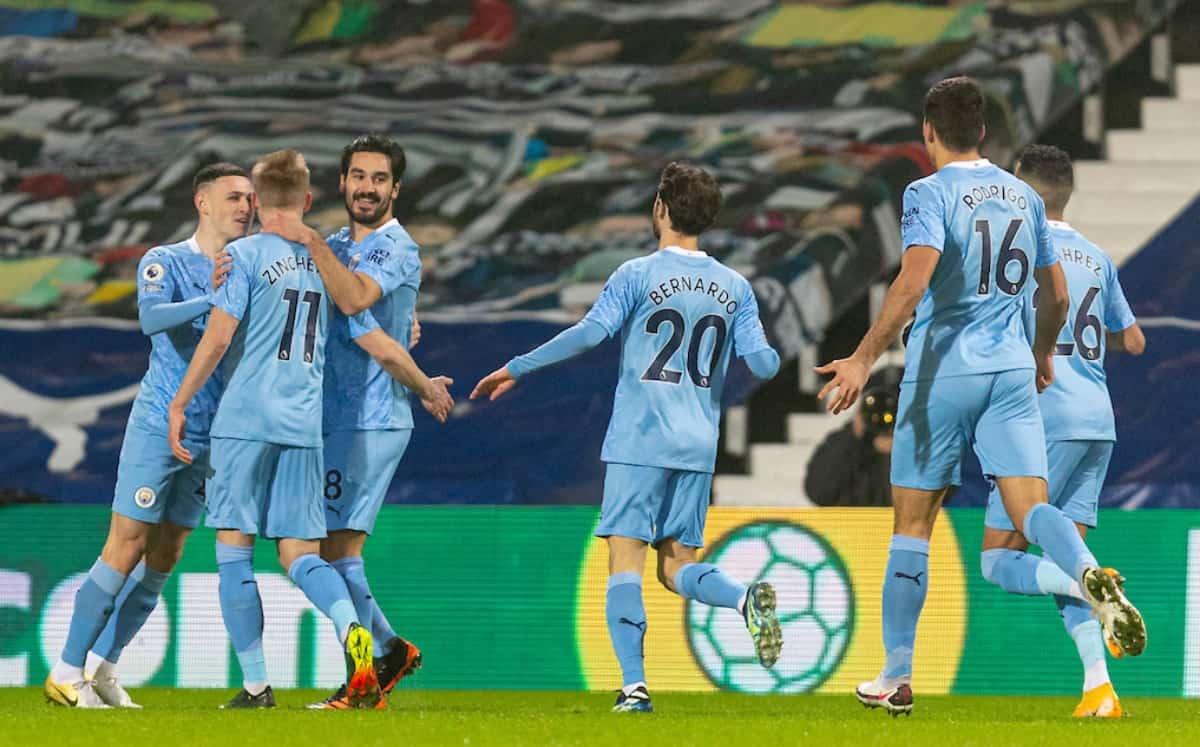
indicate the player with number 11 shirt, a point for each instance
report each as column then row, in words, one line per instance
column 680, row 314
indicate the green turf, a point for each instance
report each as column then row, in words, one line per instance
column 425, row 717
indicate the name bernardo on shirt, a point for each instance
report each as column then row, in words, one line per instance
column 291, row 263
column 686, row 284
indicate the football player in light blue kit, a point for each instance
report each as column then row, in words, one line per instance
column 973, row 234
column 1080, row 429
column 158, row 501
column 680, row 313
column 368, row 374
column 269, row 321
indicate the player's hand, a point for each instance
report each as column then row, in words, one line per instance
column 849, row 378
column 1045, row 370
column 414, row 335
column 176, row 422
column 437, row 400
column 221, row 267
column 287, row 225
column 494, row 385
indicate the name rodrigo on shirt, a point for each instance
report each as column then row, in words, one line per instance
column 980, row 194
column 290, row 263
column 684, row 283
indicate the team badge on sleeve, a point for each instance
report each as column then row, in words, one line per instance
column 152, row 272
column 145, row 496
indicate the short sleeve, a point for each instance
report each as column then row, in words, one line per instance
column 923, row 220
column 234, row 295
column 362, row 323
column 1046, row 253
column 156, row 278
column 1117, row 314
column 391, row 263
column 749, row 337
column 617, row 301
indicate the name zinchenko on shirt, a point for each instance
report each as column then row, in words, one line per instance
column 683, row 283
column 291, row 263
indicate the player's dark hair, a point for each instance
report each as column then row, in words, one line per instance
column 1048, row 169
column 280, row 179
column 214, row 171
column 955, row 108
column 375, row 143
column 692, row 197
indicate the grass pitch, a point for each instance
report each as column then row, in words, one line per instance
column 475, row 719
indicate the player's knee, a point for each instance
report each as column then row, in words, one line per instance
column 164, row 554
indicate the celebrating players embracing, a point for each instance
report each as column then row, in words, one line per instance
column 270, row 320
column 158, row 500
column 1080, row 429
column 368, row 419
column 680, row 313
column 969, row 377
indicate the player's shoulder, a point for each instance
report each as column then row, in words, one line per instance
column 395, row 233
column 926, row 189
column 168, row 251
column 1091, row 247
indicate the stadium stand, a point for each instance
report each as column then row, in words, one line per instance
column 534, row 130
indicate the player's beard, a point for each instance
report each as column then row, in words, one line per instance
column 654, row 226
column 370, row 217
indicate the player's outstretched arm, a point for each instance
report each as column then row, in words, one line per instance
column 1129, row 340
column 850, row 374
column 351, row 291
column 1053, row 304
column 569, row 343
column 391, row 355
column 209, row 352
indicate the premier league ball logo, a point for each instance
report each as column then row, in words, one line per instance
column 815, row 607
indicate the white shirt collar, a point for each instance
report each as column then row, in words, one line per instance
column 1060, row 224
column 684, row 252
column 977, row 163
column 194, row 245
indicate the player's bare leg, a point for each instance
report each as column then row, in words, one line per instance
column 94, row 602
column 905, row 585
column 326, row 589
column 1006, row 564
column 680, row 571
column 1046, row 526
column 343, row 549
column 626, row 615
column 164, row 547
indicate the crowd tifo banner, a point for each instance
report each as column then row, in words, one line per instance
column 513, row 597
column 535, row 131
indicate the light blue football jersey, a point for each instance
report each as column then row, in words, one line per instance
column 359, row 394
column 170, row 274
column 679, row 314
column 1077, row 405
column 991, row 230
column 274, row 364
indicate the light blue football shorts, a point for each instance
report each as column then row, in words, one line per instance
column 937, row 419
column 152, row 485
column 359, row 466
column 1077, row 471
column 265, row 489
column 653, row 504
